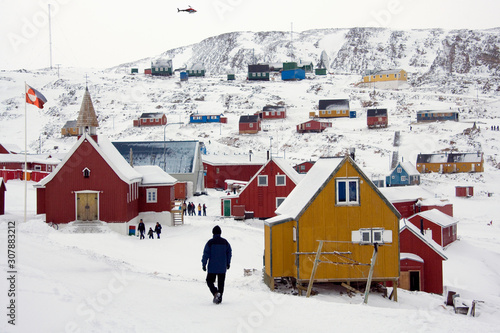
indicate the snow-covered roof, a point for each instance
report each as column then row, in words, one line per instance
column 388, row 71
column 198, row 66
column 330, row 104
column 450, row 158
column 108, row 152
column 438, row 217
column 404, row 224
column 70, row 124
column 406, row 193
column 409, row 168
column 12, row 147
column 152, row 115
column 233, row 159
column 411, row 256
column 298, row 199
column 19, row 158
column 162, row 63
column 154, row 175
column 175, row 157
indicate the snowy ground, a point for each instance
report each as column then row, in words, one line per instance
column 107, row 282
column 113, row 283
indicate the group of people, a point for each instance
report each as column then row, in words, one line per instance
column 142, row 229
column 190, row 209
column 494, row 128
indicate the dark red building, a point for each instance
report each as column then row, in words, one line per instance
column 421, row 261
column 313, row 126
column 304, row 167
column 441, row 227
column 249, row 124
column 218, row 169
column 376, row 118
column 464, row 191
column 265, row 191
column 151, row 119
column 272, row 112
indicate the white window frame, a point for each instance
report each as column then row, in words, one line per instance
column 399, row 170
column 151, row 195
column 262, row 183
column 284, row 180
column 279, row 201
column 403, row 178
column 347, row 201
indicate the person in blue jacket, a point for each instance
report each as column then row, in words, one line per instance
column 217, row 254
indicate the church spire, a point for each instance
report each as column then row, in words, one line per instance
column 87, row 120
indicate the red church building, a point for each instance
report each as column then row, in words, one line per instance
column 421, row 260
column 265, row 191
column 94, row 183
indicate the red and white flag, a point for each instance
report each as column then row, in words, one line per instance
column 35, row 97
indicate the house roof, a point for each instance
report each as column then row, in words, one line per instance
column 175, row 157
column 450, row 158
column 11, row 148
column 108, row 152
column 233, row 159
column 19, row 158
column 249, row 119
column 312, row 184
column 403, row 224
column 436, row 111
column 70, row 124
column 258, row 68
column 86, row 116
column 329, row 104
column 154, row 175
column 273, row 108
column 408, row 167
column 406, row 193
column 376, row 112
column 162, row 63
column 389, row 71
column 436, row 216
column 198, row 66
column 152, row 115
column 410, row 256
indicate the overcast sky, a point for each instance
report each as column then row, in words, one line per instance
column 101, row 34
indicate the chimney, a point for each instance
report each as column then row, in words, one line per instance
column 422, row 227
column 131, row 158
column 268, row 155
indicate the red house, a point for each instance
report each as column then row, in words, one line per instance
column 151, row 119
column 441, row 227
column 304, row 167
column 313, row 126
column 421, row 261
column 219, row 168
column 409, row 200
column 272, row 112
column 2, row 196
column 265, row 191
column 249, row 124
column 464, row 191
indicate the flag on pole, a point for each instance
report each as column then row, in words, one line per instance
column 35, row 97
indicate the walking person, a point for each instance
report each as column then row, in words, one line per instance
column 158, row 230
column 141, row 228
column 150, row 233
column 204, row 210
column 217, row 254
column 199, row 209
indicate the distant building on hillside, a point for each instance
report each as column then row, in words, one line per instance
column 196, row 70
column 151, row 119
column 249, row 124
column 386, row 79
column 333, row 108
column 258, row 72
column 376, row 118
column 450, row 162
column 436, row 115
column 69, row 128
column 161, row 67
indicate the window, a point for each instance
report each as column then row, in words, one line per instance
column 371, row 236
column 250, row 125
column 347, row 191
column 86, row 173
column 403, row 178
column 38, row 168
column 151, row 195
column 280, row 180
column 279, row 201
column 262, row 180
column 398, row 170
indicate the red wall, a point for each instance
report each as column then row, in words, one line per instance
column 243, row 172
column 262, row 199
column 180, row 190
column 60, row 196
column 442, row 236
column 165, row 198
column 447, row 209
column 245, row 127
column 432, row 277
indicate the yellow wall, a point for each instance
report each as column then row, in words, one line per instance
column 400, row 76
column 323, row 220
column 449, row 167
column 333, row 113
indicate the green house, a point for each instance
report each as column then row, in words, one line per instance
column 320, row 71
column 258, row 72
column 196, row 70
column 162, row 67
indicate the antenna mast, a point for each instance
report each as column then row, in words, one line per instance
column 50, row 40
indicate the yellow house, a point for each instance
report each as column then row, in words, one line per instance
column 69, row 129
column 383, row 76
column 337, row 204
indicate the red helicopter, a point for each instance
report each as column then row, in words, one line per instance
column 190, row 10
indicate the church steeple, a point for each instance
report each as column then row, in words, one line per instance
column 87, row 120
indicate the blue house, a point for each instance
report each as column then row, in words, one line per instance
column 204, row 118
column 403, row 174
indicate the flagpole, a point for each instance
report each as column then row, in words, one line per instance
column 25, row 152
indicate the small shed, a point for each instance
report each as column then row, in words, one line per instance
column 196, row 70
column 304, row 167
column 376, row 118
column 258, row 72
column 441, row 227
column 69, row 128
column 184, row 76
column 162, row 67
column 293, row 74
column 134, row 70
column 421, row 260
column 3, row 189
column 313, row 126
column 249, row 124
column 273, row 112
column 320, row 71
column 464, row 191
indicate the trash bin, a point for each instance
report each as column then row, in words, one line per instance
column 131, row 230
